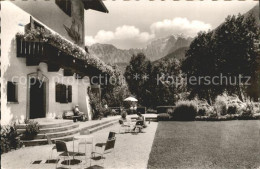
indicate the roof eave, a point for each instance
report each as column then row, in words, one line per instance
column 102, row 6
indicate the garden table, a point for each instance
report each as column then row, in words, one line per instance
column 87, row 139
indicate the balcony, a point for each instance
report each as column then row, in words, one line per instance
column 37, row 51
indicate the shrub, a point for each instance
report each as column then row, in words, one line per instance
column 113, row 112
column 164, row 109
column 97, row 110
column 202, row 111
column 107, row 112
column 232, row 109
column 9, row 138
column 247, row 112
column 31, row 130
column 185, row 110
column 163, row 117
column 221, row 104
column 256, row 107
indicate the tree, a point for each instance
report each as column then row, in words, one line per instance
column 166, row 82
column 114, row 93
column 229, row 50
column 161, row 86
column 137, row 74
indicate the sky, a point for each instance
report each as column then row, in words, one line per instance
column 133, row 24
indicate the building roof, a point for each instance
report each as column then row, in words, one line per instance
column 97, row 5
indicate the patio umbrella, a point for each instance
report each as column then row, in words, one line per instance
column 131, row 99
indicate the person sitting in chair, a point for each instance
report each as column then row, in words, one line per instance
column 78, row 113
column 140, row 122
column 140, row 117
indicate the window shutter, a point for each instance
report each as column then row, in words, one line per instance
column 69, row 93
column 58, row 92
column 11, row 92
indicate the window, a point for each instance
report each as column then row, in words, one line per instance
column 63, row 93
column 65, row 6
column 12, row 92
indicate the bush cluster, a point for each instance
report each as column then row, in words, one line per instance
column 230, row 108
column 224, row 108
column 10, row 138
column 185, row 111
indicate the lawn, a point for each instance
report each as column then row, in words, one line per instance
column 225, row 144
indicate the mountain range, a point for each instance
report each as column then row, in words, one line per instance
column 173, row 46
column 155, row 50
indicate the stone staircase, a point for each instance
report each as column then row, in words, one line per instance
column 65, row 130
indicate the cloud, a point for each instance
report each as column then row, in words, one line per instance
column 122, row 34
column 178, row 26
column 126, row 36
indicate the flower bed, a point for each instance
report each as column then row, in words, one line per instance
column 225, row 108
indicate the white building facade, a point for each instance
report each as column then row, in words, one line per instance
column 44, row 88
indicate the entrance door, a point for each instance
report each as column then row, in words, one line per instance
column 37, row 99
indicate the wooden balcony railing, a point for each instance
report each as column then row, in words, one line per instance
column 36, row 52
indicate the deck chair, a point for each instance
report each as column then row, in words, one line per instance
column 50, row 143
column 61, row 148
column 106, row 148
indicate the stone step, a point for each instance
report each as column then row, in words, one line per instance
column 54, row 130
column 68, row 135
column 51, row 125
column 59, row 134
column 95, row 129
column 44, row 141
column 98, row 124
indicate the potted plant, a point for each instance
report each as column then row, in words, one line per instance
column 32, row 129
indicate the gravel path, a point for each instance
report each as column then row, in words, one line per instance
column 131, row 152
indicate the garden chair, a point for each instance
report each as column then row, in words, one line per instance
column 61, row 147
column 50, row 143
column 139, row 125
column 111, row 135
column 105, row 148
